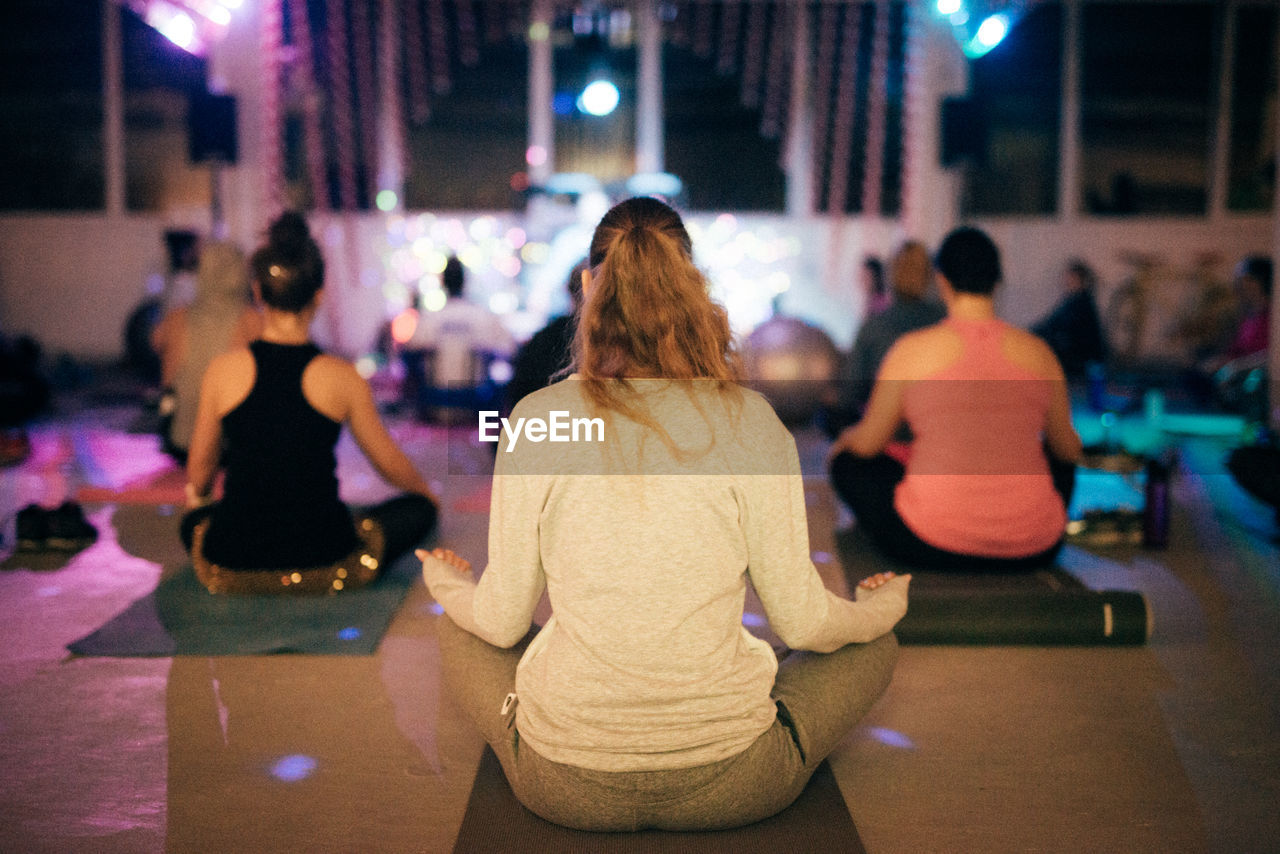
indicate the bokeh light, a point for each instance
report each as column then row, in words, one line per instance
column 600, row 98
column 992, row 31
column 404, row 325
column 293, row 768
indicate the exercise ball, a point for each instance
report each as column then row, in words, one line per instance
column 794, row 365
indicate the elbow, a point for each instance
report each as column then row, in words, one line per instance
column 822, row 648
column 199, row 475
column 1069, row 451
column 826, row 644
column 509, row 639
column 502, row 636
column 807, row 640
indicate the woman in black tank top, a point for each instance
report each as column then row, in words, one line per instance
column 271, row 416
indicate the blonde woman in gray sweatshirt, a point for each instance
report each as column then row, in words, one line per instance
column 640, row 494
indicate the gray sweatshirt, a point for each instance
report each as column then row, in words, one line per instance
column 644, row 543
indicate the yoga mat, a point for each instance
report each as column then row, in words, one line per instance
column 1016, row 616
column 181, row 617
column 1048, row 607
column 495, row 821
column 126, row 468
column 167, row 487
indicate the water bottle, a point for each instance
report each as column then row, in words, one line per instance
column 1153, row 407
column 1155, row 515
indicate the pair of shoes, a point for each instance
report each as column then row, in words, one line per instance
column 31, row 529
column 63, row 529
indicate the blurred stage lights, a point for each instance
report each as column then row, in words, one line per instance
column 190, row 24
column 750, row 262
column 992, row 31
column 979, row 25
column 600, row 98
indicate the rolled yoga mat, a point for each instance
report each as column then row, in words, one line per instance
column 1016, row 617
column 1047, row 607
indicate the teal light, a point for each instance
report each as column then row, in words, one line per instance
column 990, row 33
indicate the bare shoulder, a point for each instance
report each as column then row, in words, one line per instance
column 329, row 363
column 335, row 375
column 333, row 386
column 920, row 353
column 229, row 379
column 232, row 363
column 1030, row 351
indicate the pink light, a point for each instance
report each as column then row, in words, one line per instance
column 179, row 29
column 190, row 24
column 404, row 325
column 535, row 155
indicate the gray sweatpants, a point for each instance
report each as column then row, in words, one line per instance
column 820, row 698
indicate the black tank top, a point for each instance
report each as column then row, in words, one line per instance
column 280, row 507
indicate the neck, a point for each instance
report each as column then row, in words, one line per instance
column 965, row 306
column 286, row 327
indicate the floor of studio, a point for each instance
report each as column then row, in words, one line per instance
column 1171, row 746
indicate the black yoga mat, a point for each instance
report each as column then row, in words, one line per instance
column 1021, row 613
column 495, row 821
column 1048, row 607
column 181, row 617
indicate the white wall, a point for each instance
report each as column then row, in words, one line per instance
column 72, row 281
column 1034, row 252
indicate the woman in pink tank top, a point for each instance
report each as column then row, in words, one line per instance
column 985, row 482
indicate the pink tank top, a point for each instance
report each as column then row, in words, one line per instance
column 977, row 481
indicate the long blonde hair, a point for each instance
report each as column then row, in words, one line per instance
column 648, row 313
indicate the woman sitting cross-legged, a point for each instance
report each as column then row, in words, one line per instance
column 988, row 474
column 270, row 414
column 643, row 702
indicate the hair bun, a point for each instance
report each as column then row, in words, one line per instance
column 289, row 234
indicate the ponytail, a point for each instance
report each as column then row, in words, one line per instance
column 648, row 313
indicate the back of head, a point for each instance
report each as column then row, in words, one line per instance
column 970, row 261
column 648, row 312
column 288, row 268
column 453, row 278
column 1258, row 267
column 910, row 271
column 222, row 273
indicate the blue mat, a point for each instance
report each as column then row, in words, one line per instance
column 181, row 617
